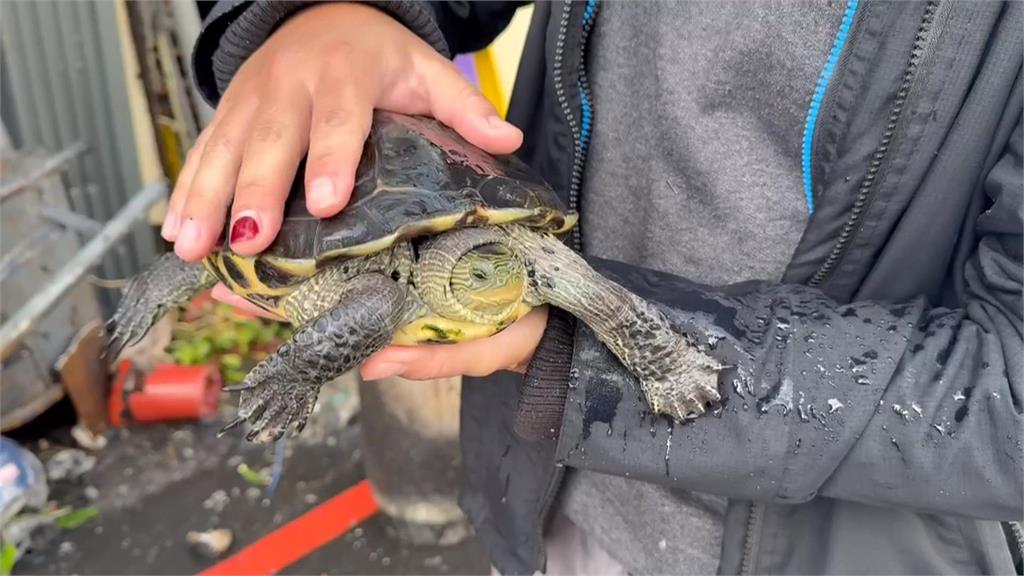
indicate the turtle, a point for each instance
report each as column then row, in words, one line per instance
column 440, row 243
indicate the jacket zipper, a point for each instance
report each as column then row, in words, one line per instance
column 869, row 184
column 754, row 518
column 581, row 139
column 581, row 130
column 864, row 193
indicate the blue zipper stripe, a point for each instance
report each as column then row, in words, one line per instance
column 586, row 114
column 588, row 12
column 819, row 95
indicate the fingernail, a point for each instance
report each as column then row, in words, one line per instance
column 383, row 370
column 496, row 122
column 245, row 228
column 171, row 223
column 190, row 232
column 322, row 194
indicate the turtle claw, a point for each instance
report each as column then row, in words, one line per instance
column 273, row 400
column 168, row 282
column 231, row 425
column 238, row 387
column 284, row 386
column 122, row 335
column 307, row 412
column 683, row 399
column 261, row 432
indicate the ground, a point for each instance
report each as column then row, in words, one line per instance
column 154, row 483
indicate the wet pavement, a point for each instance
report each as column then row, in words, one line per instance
column 153, row 484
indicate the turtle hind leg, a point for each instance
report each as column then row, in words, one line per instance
column 281, row 391
column 170, row 281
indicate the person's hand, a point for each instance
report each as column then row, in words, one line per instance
column 313, row 85
column 511, row 349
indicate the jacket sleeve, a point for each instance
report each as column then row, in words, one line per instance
column 234, row 29
column 904, row 405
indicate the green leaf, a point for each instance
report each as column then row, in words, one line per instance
column 203, row 350
column 225, row 340
column 252, row 476
column 232, row 376
column 8, row 556
column 266, row 334
column 185, row 354
column 76, row 518
column 231, row 361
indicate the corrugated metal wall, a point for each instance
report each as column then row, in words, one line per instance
column 63, row 82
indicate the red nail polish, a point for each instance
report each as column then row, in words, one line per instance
column 245, row 228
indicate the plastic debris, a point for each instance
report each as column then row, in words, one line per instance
column 22, row 480
column 87, row 438
column 217, row 501
column 211, row 543
column 69, row 464
column 23, row 489
column 278, row 470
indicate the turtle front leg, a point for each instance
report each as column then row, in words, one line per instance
column 358, row 319
column 677, row 379
column 170, row 281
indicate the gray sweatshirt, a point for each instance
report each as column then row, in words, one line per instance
column 694, row 170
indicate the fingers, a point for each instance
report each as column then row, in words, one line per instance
column 211, row 188
column 454, row 101
column 342, row 115
column 224, row 294
column 172, row 221
column 510, row 349
column 276, row 144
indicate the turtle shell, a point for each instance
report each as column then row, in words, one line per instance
column 418, row 177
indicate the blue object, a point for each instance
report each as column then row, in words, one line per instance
column 819, row 95
column 587, row 113
column 278, row 470
column 22, row 480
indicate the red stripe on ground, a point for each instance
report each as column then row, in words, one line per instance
column 301, row 536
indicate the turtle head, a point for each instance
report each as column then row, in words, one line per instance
column 472, row 275
column 489, row 281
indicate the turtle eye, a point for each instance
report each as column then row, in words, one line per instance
column 479, row 274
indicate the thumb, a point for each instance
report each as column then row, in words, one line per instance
column 458, row 104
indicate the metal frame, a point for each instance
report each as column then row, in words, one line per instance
column 117, row 228
column 64, row 86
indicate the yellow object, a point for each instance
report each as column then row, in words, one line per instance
column 435, row 329
column 490, row 85
column 496, row 65
column 150, row 169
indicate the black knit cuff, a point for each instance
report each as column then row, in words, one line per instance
column 546, row 382
column 251, row 28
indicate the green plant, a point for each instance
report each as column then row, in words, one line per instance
column 75, row 518
column 8, row 556
column 213, row 332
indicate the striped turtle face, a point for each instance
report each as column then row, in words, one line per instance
column 490, row 281
column 263, row 280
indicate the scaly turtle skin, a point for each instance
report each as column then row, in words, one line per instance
column 440, row 243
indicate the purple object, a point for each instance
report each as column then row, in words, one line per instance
column 465, row 64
